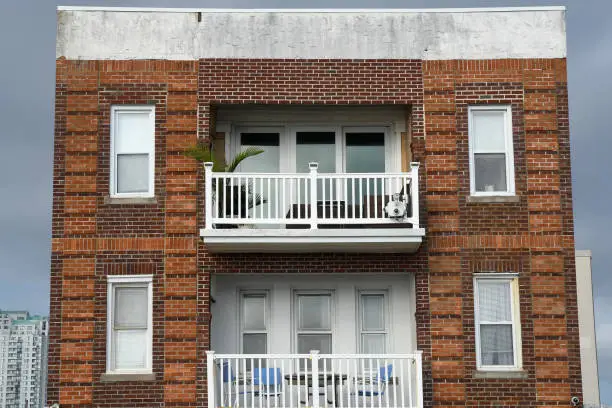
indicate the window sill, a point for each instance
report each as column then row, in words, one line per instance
column 487, row 374
column 129, row 200
column 112, row 377
column 493, row 199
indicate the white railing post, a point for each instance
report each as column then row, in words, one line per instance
column 208, row 194
column 419, row 378
column 210, row 378
column 314, row 357
column 414, row 192
column 313, row 194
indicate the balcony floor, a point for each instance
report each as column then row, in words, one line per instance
column 362, row 240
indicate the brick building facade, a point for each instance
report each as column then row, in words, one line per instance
column 528, row 233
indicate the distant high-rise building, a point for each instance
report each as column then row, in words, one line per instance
column 23, row 359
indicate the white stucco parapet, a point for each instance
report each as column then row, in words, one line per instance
column 126, row 33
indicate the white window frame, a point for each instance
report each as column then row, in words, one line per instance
column 512, row 280
column 128, row 281
column 386, row 316
column 241, row 319
column 117, row 110
column 509, row 150
column 296, row 316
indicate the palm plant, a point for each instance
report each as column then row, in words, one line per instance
column 242, row 193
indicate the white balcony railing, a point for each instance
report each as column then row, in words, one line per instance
column 314, row 380
column 311, row 200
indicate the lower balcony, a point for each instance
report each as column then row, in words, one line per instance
column 312, row 212
column 314, row 380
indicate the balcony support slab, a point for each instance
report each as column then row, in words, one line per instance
column 366, row 240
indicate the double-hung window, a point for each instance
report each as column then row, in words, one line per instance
column 497, row 322
column 132, row 151
column 491, row 152
column 313, row 323
column 373, row 322
column 254, row 322
column 129, row 321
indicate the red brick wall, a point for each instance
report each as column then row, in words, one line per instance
column 532, row 236
column 93, row 237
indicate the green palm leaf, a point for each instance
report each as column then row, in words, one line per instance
column 243, row 155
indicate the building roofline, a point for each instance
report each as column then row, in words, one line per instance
column 289, row 10
column 583, row 252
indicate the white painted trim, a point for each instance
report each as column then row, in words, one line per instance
column 115, row 110
column 584, row 252
column 313, row 10
column 374, row 240
column 129, row 278
column 509, row 150
column 136, row 281
column 515, row 323
column 315, row 233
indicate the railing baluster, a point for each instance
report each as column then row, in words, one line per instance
column 345, row 200
column 394, row 362
column 419, row 378
column 371, row 382
column 353, row 200
column 313, row 194
column 262, row 193
column 389, row 382
column 386, row 379
column 269, row 201
column 414, row 190
column 402, row 390
column 382, row 194
column 298, row 197
column 325, row 398
column 260, row 385
column 217, row 198
column 223, row 364
column 409, row 363
column 210, row 372
column 239, row 211
column 324, row 194
column 290, row 181
column 299, row 388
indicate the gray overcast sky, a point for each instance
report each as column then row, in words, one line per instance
column 27, row 75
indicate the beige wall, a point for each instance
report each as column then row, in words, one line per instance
column 586, row 318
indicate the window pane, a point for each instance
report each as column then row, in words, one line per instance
column 134, row 132
column 130, row 349
column 494, row 301
column 496, row 345
column 490, row 172
column 266, row 162
column 315, row 312
column 488, row 128
column 373, row 312
column 254, row 343
column 373, row 343
column 321, row 342
column 254, row 312
column 316, row 147
column 132, row 173
column 131, row 307
column 365, row 152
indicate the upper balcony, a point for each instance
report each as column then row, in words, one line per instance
column 274, row 212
